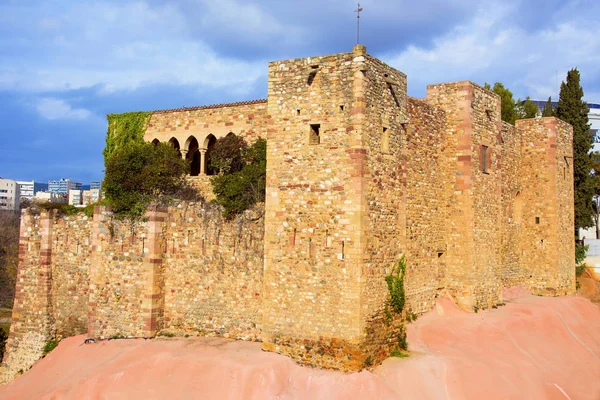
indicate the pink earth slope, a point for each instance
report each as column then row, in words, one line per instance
column 532, row 348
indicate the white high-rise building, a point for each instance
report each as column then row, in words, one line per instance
column 9, row 195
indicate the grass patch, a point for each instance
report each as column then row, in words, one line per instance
column 396, row 352
column 50, row 345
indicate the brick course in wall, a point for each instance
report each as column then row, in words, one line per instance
column 358, row 174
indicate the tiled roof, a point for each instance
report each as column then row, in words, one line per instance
column 240, row 103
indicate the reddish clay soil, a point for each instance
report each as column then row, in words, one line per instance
column 532, row 348
column 589, row 286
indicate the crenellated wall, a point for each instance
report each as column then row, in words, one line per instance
column 182, row 269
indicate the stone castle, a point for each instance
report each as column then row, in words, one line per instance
column 358, row 174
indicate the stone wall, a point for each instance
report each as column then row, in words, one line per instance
column 71, row 257
column 184, row 270
column 473, row 260
column 118, row 277
column 426, row 207
column 546, row 176
column 513, row 272
column 32, row 318
column 213, row 272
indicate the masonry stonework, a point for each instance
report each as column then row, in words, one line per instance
column 358, row 174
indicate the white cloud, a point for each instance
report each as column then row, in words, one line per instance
column 127, row 45
column 53, row 108
column 491, row 48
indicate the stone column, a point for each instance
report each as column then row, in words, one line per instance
column 183, row 154
column 203, row 161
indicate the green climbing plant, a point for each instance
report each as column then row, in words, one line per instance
column 123, row 129
column 395, row 283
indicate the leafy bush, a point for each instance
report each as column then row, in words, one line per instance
column 238, row 190
column 398, row 353
column 228, row 155
column 580, row 269
column 61, row 208
column 140, row 173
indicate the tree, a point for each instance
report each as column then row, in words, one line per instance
column 510, row 108
column 238, row 190
column 9, row 256
column 548, row 111
column 227, row 155
column 572, row 109
column 140, row 173
column 595, row 179
column 526, row 109
column 508, row 104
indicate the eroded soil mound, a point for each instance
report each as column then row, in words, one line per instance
column 532, row 348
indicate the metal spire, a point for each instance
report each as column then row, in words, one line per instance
column 357, row 11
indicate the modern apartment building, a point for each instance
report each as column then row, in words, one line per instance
column 9, row 195
column 63, row 186
column 91, row 196
column 27, row 189
column 75, row 197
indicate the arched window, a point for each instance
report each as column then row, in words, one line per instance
column 175, row 144
column 155, row 142
column 193, row 155
column 209, row 144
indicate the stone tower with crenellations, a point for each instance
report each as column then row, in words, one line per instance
column 358, row 175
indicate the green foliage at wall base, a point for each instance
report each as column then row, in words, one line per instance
column 50, row 345
column 395, row 283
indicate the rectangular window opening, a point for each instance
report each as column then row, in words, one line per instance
column 314, row 136
column 298, row 112
column 484, row 159
column 537, row 220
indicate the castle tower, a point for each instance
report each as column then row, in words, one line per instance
column 335, row 221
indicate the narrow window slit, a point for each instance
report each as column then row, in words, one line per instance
column 314, row 135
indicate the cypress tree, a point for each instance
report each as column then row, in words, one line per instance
column 548, row 111
column 572, row 109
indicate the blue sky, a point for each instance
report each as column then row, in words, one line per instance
column 65, row 64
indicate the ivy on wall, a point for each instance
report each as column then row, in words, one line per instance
column 125, row 128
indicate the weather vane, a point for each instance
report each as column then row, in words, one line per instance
column 357, row 11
